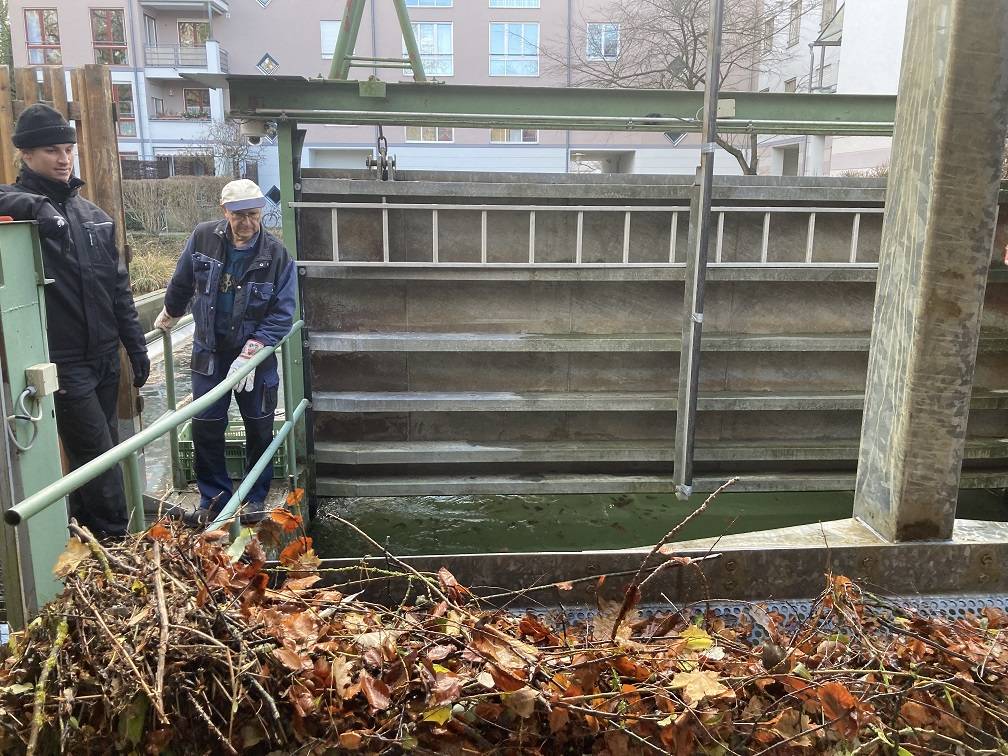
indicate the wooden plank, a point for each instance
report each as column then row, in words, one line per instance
column 54, row 85
column 26, row 81
column 8, row 154
column 83, row 146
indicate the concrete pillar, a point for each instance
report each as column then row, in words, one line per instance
column 936, row 249
column 814, row 149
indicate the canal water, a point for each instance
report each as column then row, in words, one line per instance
column 469, row 524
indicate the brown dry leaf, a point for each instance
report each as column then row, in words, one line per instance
column 439, row 653
column 521, row 702
column 351, row 740
column 301, row 628
column 158, row 532
column 506, row 681
column 565, row 585
column 509, row 655
column 294, row 497
column 696, row 686
column 376, row 692
column 915, row 714
column 629, row 668
column 75, row 553
column 339, row 675
column 292, row 660
column 300, row 584
column 295, row 549
column 617, row 742
column 448, row 688
column 485, row 679
column 286, row 519
column 558, row 719
column 838, row 704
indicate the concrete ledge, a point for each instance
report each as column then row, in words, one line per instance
column 473, row 401
column 462, row 452
column 403, row 341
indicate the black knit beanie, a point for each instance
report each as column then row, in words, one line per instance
column 40, row 125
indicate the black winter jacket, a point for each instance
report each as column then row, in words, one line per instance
column 89, row 305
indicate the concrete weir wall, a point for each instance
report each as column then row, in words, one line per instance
column 468, row 369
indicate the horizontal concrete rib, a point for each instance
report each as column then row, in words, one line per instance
column 400, row 341
column 601, row 484
column 462, row 452
column 474, row 401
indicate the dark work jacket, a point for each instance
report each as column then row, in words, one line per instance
column 89, row 304
column 265, row 295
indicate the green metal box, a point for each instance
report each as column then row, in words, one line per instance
column 234, row 452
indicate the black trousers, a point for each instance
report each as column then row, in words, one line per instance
column 87, row 423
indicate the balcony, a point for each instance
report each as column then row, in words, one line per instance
column 195, row 6
column 170, row 61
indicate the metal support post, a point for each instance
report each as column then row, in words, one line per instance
column 133, row 480
column 935, row 255
column 696, row 275
column 347, row 39
column 410, row 38
column 178, row 480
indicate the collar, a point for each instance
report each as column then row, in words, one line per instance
column 263, row 251
column 54, row 190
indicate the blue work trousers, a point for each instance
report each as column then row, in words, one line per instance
column 257, row 408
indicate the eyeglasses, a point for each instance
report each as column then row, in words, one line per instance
column 248, row 215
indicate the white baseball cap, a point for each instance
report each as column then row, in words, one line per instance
column 242, row 194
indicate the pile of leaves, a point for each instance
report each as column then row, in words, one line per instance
column 181, row 643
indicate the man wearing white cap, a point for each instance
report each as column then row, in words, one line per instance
column 242, row 285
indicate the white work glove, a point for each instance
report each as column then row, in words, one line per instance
column 247, row 353
column 164, row 321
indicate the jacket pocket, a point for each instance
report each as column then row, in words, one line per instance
column 202, row 272
column 258, row 299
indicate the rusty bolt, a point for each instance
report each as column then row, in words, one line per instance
column 730, row 565
column 987, row 559
column 982, row 578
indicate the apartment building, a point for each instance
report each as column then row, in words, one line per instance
column 150, row 44
column 825, row 47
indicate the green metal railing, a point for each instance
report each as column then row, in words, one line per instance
column 128, row 451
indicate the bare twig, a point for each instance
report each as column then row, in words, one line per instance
column 38, row 715
column 163, row 616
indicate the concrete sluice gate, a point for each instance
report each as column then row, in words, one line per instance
column 494, row 333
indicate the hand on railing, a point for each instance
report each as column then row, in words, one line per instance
column 164, row 321
column 252, row 347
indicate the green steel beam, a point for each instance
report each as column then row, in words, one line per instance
column 347, row 39
column 410, row 103
column 409, row 38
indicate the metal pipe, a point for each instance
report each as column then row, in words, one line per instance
column 347, row 38
column 689, row 369
column 38, row 501
column 585, row 208
column 151, row 336
column 178, row 482
column 134, row 493
column 253, row 474
column 410, row 39
column 288, row 392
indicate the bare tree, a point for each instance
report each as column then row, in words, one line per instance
column 662, row 44
column 231, row 152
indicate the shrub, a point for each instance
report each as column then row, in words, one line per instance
column 154, row 259
column 177, row 204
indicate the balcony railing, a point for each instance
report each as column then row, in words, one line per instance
column 175, row 56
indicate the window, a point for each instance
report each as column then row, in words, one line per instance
column 435, row 43
column 514, row 3
column 42, row 33
column 159, row 109
column 768, row 34
column 791, row 85
column 193, row 33
column 122, row 99
column 603, row 41
column 828, row 11
column 514, row 49
column 794, row 25
column 430, row 134
column 197, row 103
column 108, row 35
column 514, row 136
column 268, row 64
column 329, row 31
column 150, row 30
column 428, row 3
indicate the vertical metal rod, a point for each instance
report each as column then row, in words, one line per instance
column 626, row 237
column 720, row 237
column 580, row 233
column 286, row 362
column 764, row 250
column 855, row 232
column 434, row 230
column 134, row 493
column 531, row 237
column 696, row 274
column 672, row 237
column 483, row 237
column 347, row 39
column 335, row 235
column 384, row 231
column 412, row 48
column 810, row 238
column 178, row 480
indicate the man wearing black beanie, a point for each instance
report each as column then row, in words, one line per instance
column 89, row 308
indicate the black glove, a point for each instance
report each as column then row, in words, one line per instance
column 141, row 367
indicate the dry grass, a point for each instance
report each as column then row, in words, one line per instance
column 154, row 259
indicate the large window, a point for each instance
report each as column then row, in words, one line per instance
column 122, row 98
column 150, row 30
column 791, row 85
column 42, row 33
column 430, row 134
column 429, row 3
column 828, row 11
column 108, row 35
column 768, row 35
column 603, row 41
column 794, row 24
column 514, row 136
column 193, row 33
column 329, row 32
column 197, row 103
column 514, row 3
column 514, row 49
column 435, row 43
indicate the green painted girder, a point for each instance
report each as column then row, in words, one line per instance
column 416, row 103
